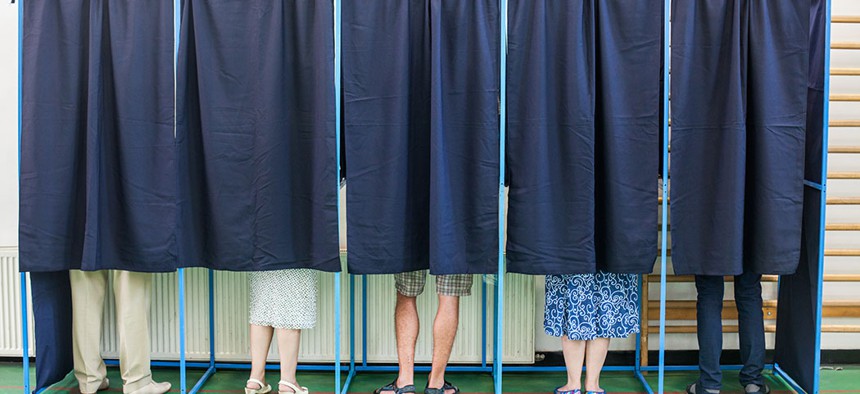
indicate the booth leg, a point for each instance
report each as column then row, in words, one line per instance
column 25, row 333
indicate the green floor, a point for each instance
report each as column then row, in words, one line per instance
column 843, row 381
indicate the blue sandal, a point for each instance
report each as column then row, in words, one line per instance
column 577, row 391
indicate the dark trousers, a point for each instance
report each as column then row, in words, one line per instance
column 709, row 308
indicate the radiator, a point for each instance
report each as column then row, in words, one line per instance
column 231, row 317
column 11, row 340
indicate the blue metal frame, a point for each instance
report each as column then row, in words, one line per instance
column 495, row 369
column 816, row 387
column 664, row 227
column 353, row 369
column 498, row 333
column 822, row 225
column 498, row 365
column 212, row 366
column 822, row 187
column 25, row 329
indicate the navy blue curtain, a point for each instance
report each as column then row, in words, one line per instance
column 798, row 294
column 421, row 116
column 51, row 293
column 97, row 151
column 739, row 112
column 258, row 170
column 583, row 135
column 97, row 184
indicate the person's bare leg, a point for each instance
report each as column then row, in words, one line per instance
column 444, row 333
column 288, row 351
column 261, row 340
column 574, row 355
column 595, row 356
column 406, row 327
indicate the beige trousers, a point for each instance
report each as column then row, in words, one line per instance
column 132, row 296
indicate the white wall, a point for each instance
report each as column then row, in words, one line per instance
column 8, row 125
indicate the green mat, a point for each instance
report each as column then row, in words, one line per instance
column 233, row 381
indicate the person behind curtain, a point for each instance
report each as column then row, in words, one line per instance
column 709, row 309
column 449, row 289
column 282, row 302
column 586, row 310
column 132, row 294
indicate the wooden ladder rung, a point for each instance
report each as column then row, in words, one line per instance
column 843, row 227
column 843, row 200
column 844, row 149
column 845, row 97
column 770, row 328
column 843, row 175
column 845, row 71
column 845, row 45
column 655, row 278
column 827, row 252
column 830, row 200
column 842, row 252
column 845, row 19
column 845, row 123
column 833, row 123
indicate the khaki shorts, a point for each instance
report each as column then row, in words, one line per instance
column 411, row 284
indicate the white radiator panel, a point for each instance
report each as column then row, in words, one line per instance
column 231, row 318
column 11, row 343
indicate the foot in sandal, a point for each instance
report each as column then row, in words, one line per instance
column 255, row 386
column 285, row 387
column 446, row 388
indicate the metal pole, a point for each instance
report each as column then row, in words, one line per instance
column 25, row 329
column 25, row 333
column 364, row 320
column 338, row 11
column 483, row 323
column 500, row 285
column 177, row 22
column 182, row 361
column 822, row 224
column 664, row 230
column 211, row 319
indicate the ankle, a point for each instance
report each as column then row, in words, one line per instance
column 435, row 382
column 253, row 385
column 570, row 386
column 288, row 389
column 592, row 386
column 405, row 381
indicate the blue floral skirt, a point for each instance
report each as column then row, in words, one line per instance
column 588, row 306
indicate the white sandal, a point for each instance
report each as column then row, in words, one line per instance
column 264, row 388
column 296, row 390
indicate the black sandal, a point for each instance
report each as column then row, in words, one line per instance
column 445, row 387
column 408, row 389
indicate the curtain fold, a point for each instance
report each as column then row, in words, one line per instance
column 583, row 136
column 97, row 184
column 256, row 133
column 421, row 132
column 798, row 293
column 51, row 294
column 739, row 78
